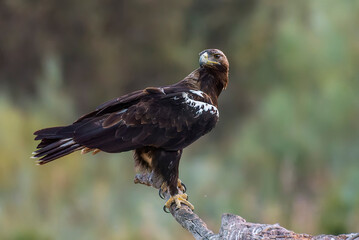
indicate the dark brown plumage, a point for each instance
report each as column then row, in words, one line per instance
column 157, row 123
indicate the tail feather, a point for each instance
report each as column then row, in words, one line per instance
column 58, row 154
column 54, row 147
column 55, row 143
column 45, row 142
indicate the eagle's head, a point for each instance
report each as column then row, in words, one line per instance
column 214, row 59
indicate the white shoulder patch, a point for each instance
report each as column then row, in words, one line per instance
column 200, row 106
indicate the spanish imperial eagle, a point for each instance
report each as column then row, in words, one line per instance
column 157, row 123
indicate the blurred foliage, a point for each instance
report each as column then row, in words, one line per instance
column 286, row 148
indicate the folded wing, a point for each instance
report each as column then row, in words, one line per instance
column 155, row 117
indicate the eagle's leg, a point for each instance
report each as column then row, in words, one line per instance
column 165, row 164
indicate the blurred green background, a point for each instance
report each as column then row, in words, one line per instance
column 286, row 149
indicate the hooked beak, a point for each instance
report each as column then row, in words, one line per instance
column 203, row 60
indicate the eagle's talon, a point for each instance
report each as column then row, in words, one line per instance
column 181, row 186
column 161, row 194
column 162, row 190
column 165, row 209
column 178, row 199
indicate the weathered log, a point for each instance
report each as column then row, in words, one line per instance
column 234, row 227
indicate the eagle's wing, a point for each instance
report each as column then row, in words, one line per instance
column 115, row 104
column 158, row 117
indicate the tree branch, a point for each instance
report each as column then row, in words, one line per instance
column 235, row 227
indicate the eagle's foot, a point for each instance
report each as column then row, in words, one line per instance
column 164, row 188
column 178, row 199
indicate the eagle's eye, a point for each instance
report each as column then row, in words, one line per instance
column 217, row 56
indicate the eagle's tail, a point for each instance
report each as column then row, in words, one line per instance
column 55, row 142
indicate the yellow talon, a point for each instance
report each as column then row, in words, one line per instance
column 178, row 199
column 181, row 186
column 164, row 187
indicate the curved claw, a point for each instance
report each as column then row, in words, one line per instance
column 160, row 193
column 183, row 187
column 165, row 209
column 162, row 190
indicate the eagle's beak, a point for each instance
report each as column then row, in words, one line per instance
column 203, row 60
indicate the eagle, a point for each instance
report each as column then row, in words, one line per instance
column 157, row 123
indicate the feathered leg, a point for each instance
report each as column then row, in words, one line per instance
column 165, row 164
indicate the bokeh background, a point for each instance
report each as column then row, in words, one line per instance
column 286, row 149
